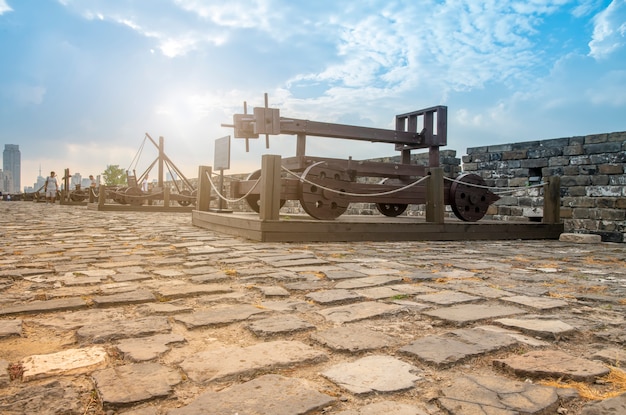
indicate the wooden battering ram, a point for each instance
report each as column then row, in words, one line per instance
column 318, row 175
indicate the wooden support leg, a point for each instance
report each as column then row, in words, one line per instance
column 102, row 194
column 204, row 189
column 552, row 200
column 435, row 206
column 166, row 196
column 270, row 187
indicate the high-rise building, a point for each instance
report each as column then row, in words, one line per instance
column 11, row 163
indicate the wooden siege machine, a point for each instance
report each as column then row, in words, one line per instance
column 326, row 186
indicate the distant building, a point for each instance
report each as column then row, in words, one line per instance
column 11, row 165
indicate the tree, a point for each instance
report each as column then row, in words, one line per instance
column 114, row 175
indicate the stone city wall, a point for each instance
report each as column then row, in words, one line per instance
column 592, row 173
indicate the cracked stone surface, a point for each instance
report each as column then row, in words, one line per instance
column 190, row 321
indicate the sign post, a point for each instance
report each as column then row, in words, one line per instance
column 221, row 162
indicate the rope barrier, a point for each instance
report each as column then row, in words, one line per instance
column 224, row 198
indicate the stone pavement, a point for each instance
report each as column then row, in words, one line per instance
column 142, row 313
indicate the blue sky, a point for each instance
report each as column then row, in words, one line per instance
column 82, row 81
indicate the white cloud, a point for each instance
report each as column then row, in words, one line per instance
column 4, row 7
column 609, row 33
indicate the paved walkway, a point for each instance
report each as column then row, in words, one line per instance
column 144, row 314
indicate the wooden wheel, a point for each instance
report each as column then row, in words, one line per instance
column 254, row 200
column 187, row 201
column 134, row 196
column 391, row 209
column 318, row 202
column 470, row 203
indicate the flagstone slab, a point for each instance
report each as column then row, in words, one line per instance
column 553, row 364
column 179, row 290
column 467, row 313
column 48, row 397
column 447, row 297
column 359, row 311
column 353, row 339
column 457, row 345
column 273, row 291
column 219, row 316
column 374, row 374
column 496, row 395
column 207, row 250
column 121, row 329
column 147, row 348
column 130, row 297
column 229, row 362
column 521, row 338
column 328, row 297
column 399, row 291
column 138, row 382
column 10, row 328
column 281, row 324
column 47, row 306
column 338, row 274
column 538, row 303
column 265, row 395
column 545, row 328
column 64, row 363
column 611, row 406
column 613, row 356
column 486, row 292
column 385, row 408
column 166, row 308
column 372, row 281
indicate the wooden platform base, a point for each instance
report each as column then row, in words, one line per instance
column 303, row 228
column 116, row 207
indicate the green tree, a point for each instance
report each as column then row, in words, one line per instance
column 114, row 175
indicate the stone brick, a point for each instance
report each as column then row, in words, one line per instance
column 605, row 202
column 617, row 136
column 581, row 238
column 600, row 180
column 610, row 169
column 596, row 138
column 495, row 156
column 578, row 202
column 474, row 150
column 556, row 142
column 504, row 210
column 618, row 180
column 470, row 166
column 514, row 155
column 602, row 148
column 573, row 150
column 578, row 160
column 608, row 225
column 577, row 191
column 552, row 171
column 535, row 163
column 499, row 148
column 541, row 152
column 612, row 214
column 507, row 200
column 570, row 170
column 514, row 164
column 598, row 191
column 525, row 201
column 580, row 213
column 558, row 161
column 466, row 159
column 566, row 213
column 620, row 203
column 576, row 140
column 518, row 182
column 524, row 145
column 569, row 181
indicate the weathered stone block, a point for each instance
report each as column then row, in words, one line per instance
column 578, row 160
column 535, row 163
column 570, row 170
column 611, row 169
column 618, row 180
column 566, row 213
column 573, row 150
column 605, row 202
column 596, row 138
column 576, row 140
column 577, row 191
column 524, row 145
column 552, row 171
column 600, row 180
column 518, row 181
column 620, row 203
column 598, row 191
column 578, row 202
column 580, row 213
column 545, row 152
column 514, row 155
column 568, row 181
column 474, row 150
column 470, row 166
column 612, row 214
column 602, row 148
column 556, row 142
column 617, row 136
column 558, row 161
column 499, row 148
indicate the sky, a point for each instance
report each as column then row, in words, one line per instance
column 83, row 81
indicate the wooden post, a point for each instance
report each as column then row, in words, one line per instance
column 552, row 200
column 270, row 187
column 102, row 191
column 435, row 206
column 204, row 189
column 166, row 196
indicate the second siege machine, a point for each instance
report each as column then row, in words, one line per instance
column 326, row 186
